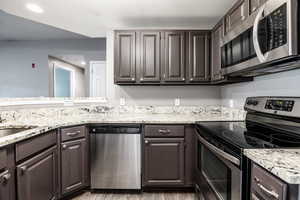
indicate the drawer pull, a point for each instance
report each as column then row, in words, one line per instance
column 164, row 132
column 268, row 192
column 73, row 134
column 5, row 178
column 64, row 146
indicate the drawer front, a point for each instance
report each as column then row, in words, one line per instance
column 72, row 133
column 29, row 147
column 266, row 186
column 164, row 131
column 3, row 158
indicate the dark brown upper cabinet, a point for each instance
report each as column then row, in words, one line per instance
column 164, row 162
column 149, row 44
column 74, row 171
column 216, row 36
column 174, row 56
column 236, row 15
column 198, row 56
column 37, row 177
column 255, row 4
column 125, row 57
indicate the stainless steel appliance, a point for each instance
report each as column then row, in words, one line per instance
column 116, row 157
column 223, row 173
column 266, row 42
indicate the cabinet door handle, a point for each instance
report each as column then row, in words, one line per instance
column 23, row 170
column 73, row 134
column 64, row 146
column 5, row 178
column 146, row 141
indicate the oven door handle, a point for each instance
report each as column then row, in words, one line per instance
column 219, row 152
column 261, row 57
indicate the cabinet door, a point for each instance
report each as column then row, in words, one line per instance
column 125, row 56
column 216, row 53
column 163, row 162
column 174, row 56
column 199, row 54
column 37, row 177
column 236, row 15
column 149, row 70
column 6, row 182
column 73, row 165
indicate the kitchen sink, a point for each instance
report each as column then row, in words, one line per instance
column 10, row 131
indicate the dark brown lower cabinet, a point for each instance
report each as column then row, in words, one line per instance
column 37, row 177
column 164, row 162
column 7, row 173
column 74, row 170
column 6, row 181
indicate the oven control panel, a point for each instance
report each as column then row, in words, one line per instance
column 281, row 105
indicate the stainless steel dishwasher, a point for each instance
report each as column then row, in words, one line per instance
column 115, row 157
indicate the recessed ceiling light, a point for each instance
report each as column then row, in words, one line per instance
column 83, row 63
column 34, row 8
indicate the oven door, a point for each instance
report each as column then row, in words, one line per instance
column 219, row 175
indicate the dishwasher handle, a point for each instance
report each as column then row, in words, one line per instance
column 116, row 129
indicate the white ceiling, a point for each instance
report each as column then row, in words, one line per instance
column 17, row 28
column 94, row 17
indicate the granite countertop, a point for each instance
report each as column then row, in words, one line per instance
column 283, row 163
column 44, row 126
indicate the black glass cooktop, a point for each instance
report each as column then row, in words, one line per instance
column 244, row 135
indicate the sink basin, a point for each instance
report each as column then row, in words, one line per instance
column 10, row 131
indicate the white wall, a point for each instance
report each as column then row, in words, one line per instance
column 281, row 84
column 18, row 79
column 156, row 95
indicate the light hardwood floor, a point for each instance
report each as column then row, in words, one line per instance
column 143, row 196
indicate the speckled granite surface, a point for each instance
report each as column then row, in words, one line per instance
column 50, row 118
column 283, row 163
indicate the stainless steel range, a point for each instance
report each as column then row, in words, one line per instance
column 223, row 173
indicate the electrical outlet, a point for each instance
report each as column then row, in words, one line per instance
column 177, row 102
column 122, row 102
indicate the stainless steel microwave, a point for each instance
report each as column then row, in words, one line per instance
column 266, row 42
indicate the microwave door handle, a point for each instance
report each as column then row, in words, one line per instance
column 261, row 57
